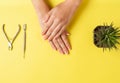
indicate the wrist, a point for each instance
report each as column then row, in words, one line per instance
column 41, row 7
column 72, row 4
column 75, row 3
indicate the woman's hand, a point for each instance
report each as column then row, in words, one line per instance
column 58, row 18
column 61, row 43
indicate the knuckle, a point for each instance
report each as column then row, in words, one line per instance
column 65, row 21
column 54, row 33
column 61, row 44
column 52, row 36
column 59, row 40
column 63, row 35
column 54, row 40
column 59, row 19
column 59, row 33
column 47, row 33
column 50, row 30
column 46, row 25
column 50, row 42
column 53, row 16
column 56, row 36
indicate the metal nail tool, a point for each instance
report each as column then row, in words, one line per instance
column 24, row 28
column 11, row 41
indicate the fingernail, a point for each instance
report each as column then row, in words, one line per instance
column 49, row 39
column 62, row 52
column 67, row 34
column 54, row 48
column 66, row 52
column 42, row 32
column 70, row 48
column 44, row 37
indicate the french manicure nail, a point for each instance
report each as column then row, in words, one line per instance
column 44, row 37
column 67, row 34
column 66, row 52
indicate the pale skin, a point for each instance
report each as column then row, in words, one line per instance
column 54, row 22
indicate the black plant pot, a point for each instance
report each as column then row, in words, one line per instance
column 96, row 39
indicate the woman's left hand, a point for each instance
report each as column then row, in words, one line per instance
column 57, row 19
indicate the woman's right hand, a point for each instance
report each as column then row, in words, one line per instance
column 61, row 43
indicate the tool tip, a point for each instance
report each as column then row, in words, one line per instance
column 25, row 26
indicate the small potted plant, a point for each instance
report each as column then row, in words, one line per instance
column 106, row 36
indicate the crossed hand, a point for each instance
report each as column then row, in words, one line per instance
column 54, row 22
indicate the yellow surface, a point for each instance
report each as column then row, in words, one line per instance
column 85, row 64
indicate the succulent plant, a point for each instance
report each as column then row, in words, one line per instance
column 106, row 36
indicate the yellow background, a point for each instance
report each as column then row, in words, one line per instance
column 85, row 64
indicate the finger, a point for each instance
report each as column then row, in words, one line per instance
column 47, row 25
column 63, row 46
column 53, row 45
column 46, row 18
column 54, row 33
column 67, row 33
column 60, row 32
column 43, row 20
column 65, row 40
column 58, row 46
column 50, row 30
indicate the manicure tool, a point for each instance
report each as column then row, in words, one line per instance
column 11, row 41
column 24, row 28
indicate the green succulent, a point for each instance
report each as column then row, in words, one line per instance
column 106, row 36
